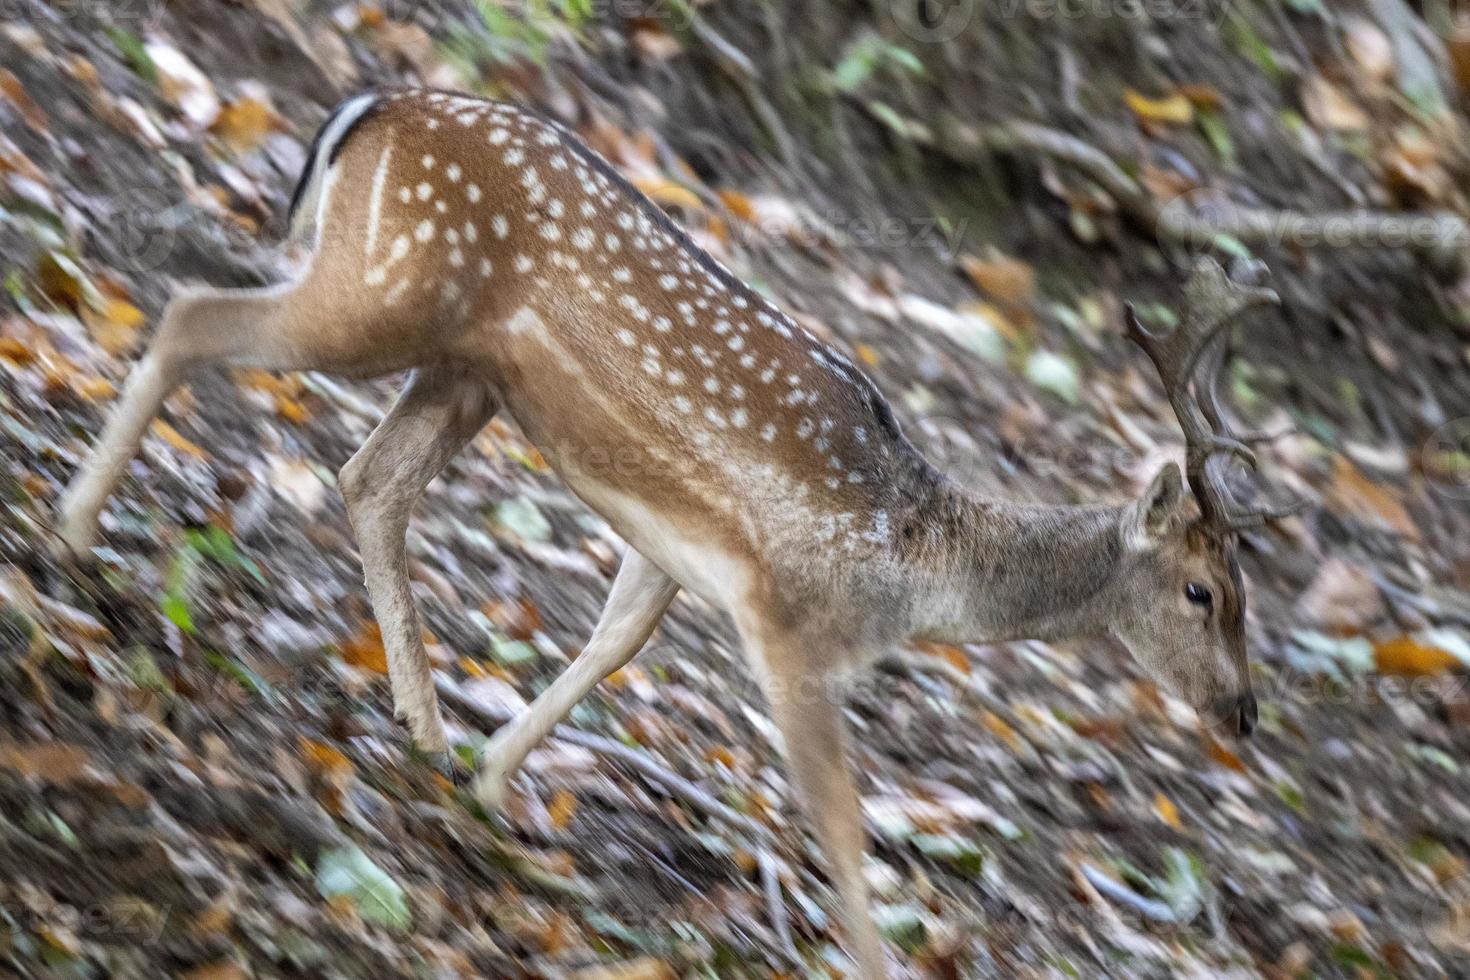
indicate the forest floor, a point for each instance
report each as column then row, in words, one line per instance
column 199, row 771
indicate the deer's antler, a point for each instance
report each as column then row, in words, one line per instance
column 1193, row 354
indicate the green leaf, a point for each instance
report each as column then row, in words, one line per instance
column 1054, row 373
column 523, row 518
column 1217, row 134
column 131, row 47
column 349, row 873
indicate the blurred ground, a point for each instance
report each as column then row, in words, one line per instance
column 199, row 775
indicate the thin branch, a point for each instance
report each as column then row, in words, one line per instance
column 1441, row 236
column 1149, row 908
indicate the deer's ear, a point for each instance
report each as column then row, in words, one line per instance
column 1152, row 514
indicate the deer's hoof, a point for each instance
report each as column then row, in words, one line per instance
column 448, row 765
column 72, row 542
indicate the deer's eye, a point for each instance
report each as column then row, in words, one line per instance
column 1198, row 594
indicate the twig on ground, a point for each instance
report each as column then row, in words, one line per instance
column 1149, row 908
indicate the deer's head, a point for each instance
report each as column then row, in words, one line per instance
column 1182, row 613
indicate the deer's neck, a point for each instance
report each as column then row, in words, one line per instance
column 991, row 570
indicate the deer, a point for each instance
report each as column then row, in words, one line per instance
column 508, row 268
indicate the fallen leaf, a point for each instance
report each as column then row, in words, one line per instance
column 15, row 93
column 1353, row 493
column 115, row 326
column 1001, row 277
column 1166, row 811
column 1330, row 108
column 737, row 204
column 666, row 193
column 1406, row 656
column 1173, row 109
column 244, row 124
column 171, row 436
column 562, row 809
column 54, row 763
column 365, row 650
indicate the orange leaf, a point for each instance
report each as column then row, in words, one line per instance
column 323, row 758
column 1407, row 657
column 1222, row 756
column 1002, row 730
column 1006, row 279
column 15, row 93
column 16, row 351
column 366, row 650
column 867, row 355
column 666, row 193
column 115, row 326
column 562, row 809
column 243, row 125
column 1166, row 811
column 171, row 436
column 737, row 204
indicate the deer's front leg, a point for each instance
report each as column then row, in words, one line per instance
column 438, row 412
column 639, row 596
column 806, row 705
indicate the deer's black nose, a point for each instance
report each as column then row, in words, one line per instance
column 1238, row 714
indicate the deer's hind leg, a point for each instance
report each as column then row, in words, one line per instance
column 439, row 411
column 640, row 595
column 200, row 328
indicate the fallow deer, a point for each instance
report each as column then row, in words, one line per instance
column 509, row 267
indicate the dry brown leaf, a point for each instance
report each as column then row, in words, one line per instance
column 1407, row 657
column 365, row 650
column 116, row 326
column 653, row 42
column 216, row 971
column 244, row 124
column 1331, row 108
column 54, row 763
column 325, row 759
column 1222, row 756
column 1205, row 97
column 1001, row 277
column 171, row 436
column 1166, row 811
column 666, row 193
column 15, row 93
column 562, row 809
column 737, row 204
column 1353, row 493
